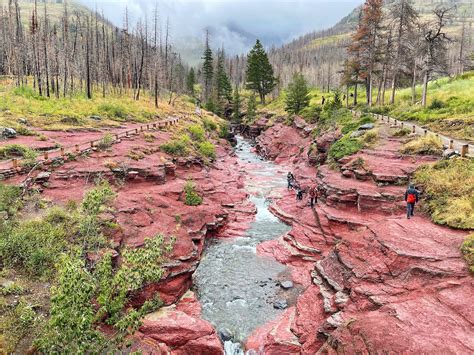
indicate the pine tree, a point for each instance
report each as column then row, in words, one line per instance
column 251, row 108
column 236, row 103
column 223, row 85
column 207, row 69
column 298, row 94
column 190, row 82
column 259, row 75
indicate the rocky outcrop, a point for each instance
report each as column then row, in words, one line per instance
column 375, row 281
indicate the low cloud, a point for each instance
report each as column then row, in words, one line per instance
column 235, row 23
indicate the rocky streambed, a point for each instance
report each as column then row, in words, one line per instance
column 240, row 290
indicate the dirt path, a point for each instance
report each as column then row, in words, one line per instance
column 462, row 146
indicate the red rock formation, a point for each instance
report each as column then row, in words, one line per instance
column 377, row 281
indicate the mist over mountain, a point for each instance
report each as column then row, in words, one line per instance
column 237, row 23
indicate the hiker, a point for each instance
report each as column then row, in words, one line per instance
column 411, row 198
column 313, row 195
column 299, row 194
column 291, row 179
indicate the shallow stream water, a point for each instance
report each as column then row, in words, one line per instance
column 236, row 287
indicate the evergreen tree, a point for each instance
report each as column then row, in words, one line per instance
column 207, row 69
column 236, row 103
column 223, row 85
column 190, row 82
column 259, row 75
column 298, row 94
column 251, row 108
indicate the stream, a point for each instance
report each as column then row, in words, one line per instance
column 240, row 291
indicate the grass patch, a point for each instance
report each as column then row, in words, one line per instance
column 192, row 198
column 180, row 146
column 106, row 141
column 197, row 132
column 344, row 147
column 428, row 145
column 449, row 191
column 467, row 249
column 10, row 151
column 149, row 137
column 402, row 132
column 207, row 150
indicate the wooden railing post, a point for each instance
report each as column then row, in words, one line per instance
column 451, row 144
column 414, row 129
column 15, row 163
column 77, row 147
column 92, row 144
column 46, row 156
column 465, row 150
column 425, row 132
column 62, row 151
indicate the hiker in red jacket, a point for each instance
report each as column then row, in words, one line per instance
column 411, row 198
column 313, row 195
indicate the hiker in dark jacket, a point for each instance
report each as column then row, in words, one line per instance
column 299, row 193
column 291, row 180
column 411, row 198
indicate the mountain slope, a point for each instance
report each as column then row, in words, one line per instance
column 320, row 54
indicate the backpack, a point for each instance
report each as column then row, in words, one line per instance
column 411, row 198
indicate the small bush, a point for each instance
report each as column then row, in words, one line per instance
column 449, row 191
column 192, row 198
column 344, row 147
column 11, row 289
column 197, row 133
column 467, row 249
column 149, row 137
column 179, row 146
column 429, row 145
column 209, row 125
column 106, row 141
column 312, row 114
column 17, row 151
column 113, row 111
column 9, row 198
column 207, row 150
column 370, row 137
column 437, row 105
column 224, row 131
column 402, row 132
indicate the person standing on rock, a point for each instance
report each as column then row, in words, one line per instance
column 313, row 195
column 411, row 198
column 291, row 179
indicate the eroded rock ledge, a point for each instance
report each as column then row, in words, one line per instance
column 375, row 281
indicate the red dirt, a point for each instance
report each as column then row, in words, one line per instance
column 377, row 281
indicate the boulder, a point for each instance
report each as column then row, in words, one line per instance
column 7, row 132
column 95, row 118
column 280, row 304
column 23, row 121
column 286, row 285
column 357, row 134
column 366, row 127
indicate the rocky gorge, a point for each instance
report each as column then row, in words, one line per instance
column 360, row 276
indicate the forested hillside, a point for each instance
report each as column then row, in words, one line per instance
column 61, row 48
column 320, row 55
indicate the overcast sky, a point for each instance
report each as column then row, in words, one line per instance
column 234, row 22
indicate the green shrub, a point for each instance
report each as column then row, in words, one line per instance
column 11, row 289
column 209, row 125
column 449, row 191
column 179, row 146
column 402, row 132
column 34, row 246
column 15, row 323
column 370, row 137
column 207, row 149
column 312, row 113
column 192, row 198
column 344, row 147
column 428, row 145
column 467, row 249
column 10, row 198
column 224, row 131
column 18, row 151
column 197, row 133
column 437, row 105
column 27, row 92
column 106, row 141
column 113, row 111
